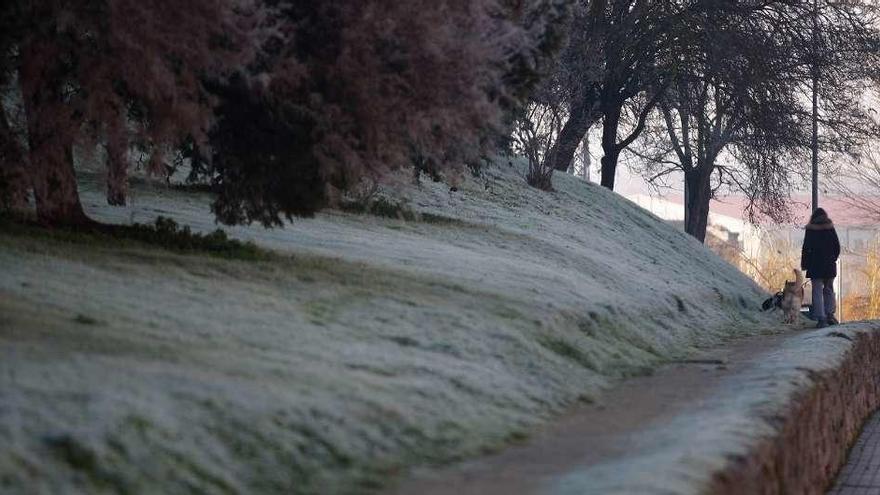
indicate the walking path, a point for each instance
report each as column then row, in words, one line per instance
column 639, row 433
column 676, row 431
column 861, row 474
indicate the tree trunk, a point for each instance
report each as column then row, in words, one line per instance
column 697, row 193
column 588, row 161
column 117, row 162
column 583, row 110
column 573, row 132
column 50, row 135
column 610, row 149
column 13, row 174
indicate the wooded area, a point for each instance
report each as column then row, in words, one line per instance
column 282, row 107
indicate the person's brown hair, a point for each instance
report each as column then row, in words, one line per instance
column 819, row 213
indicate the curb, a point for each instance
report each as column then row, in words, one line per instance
column 816, row 429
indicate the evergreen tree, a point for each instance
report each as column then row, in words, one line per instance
column 111, row 72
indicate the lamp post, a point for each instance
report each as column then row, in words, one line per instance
column 815, row 74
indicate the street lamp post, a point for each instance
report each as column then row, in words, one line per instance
column 815, row 74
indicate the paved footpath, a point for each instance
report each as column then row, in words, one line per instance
column 861, row 474
column 616, row 429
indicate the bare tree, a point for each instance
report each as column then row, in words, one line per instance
column 533, row 135
column 585, row 161
column 864, row 302
column 858, row 183
column 579, row 72
column 619, row 56
column 734, row 115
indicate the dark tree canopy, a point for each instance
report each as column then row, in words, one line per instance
column 351, row 90
column 340, row 90
column 112, row 73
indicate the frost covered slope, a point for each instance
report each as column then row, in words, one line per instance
column 378, row 345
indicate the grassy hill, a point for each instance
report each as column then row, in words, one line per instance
column 364, row 345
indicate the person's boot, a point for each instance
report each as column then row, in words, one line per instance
column 821, row 323
column 832, row 320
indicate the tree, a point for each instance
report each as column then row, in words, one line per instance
column 619, row 54
column 537, row 122
column 706, row 116
column 577, row 76
column 858, row 183
column 342, row 90
column 545, row 26
column 13, row 176
column 350, row 90
column 113, row 72
column 533, row 135
column 734, row 114
column 865, row 304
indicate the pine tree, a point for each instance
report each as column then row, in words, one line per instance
column 351, row 90
column 332, row 91
column 112, row 72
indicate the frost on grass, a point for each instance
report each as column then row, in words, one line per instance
column 378, row 344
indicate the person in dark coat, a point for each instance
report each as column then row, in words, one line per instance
column 819, row 259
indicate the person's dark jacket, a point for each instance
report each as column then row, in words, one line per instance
column 821, row 249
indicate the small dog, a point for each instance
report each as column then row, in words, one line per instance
column 773, row 302
column 793, row 297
